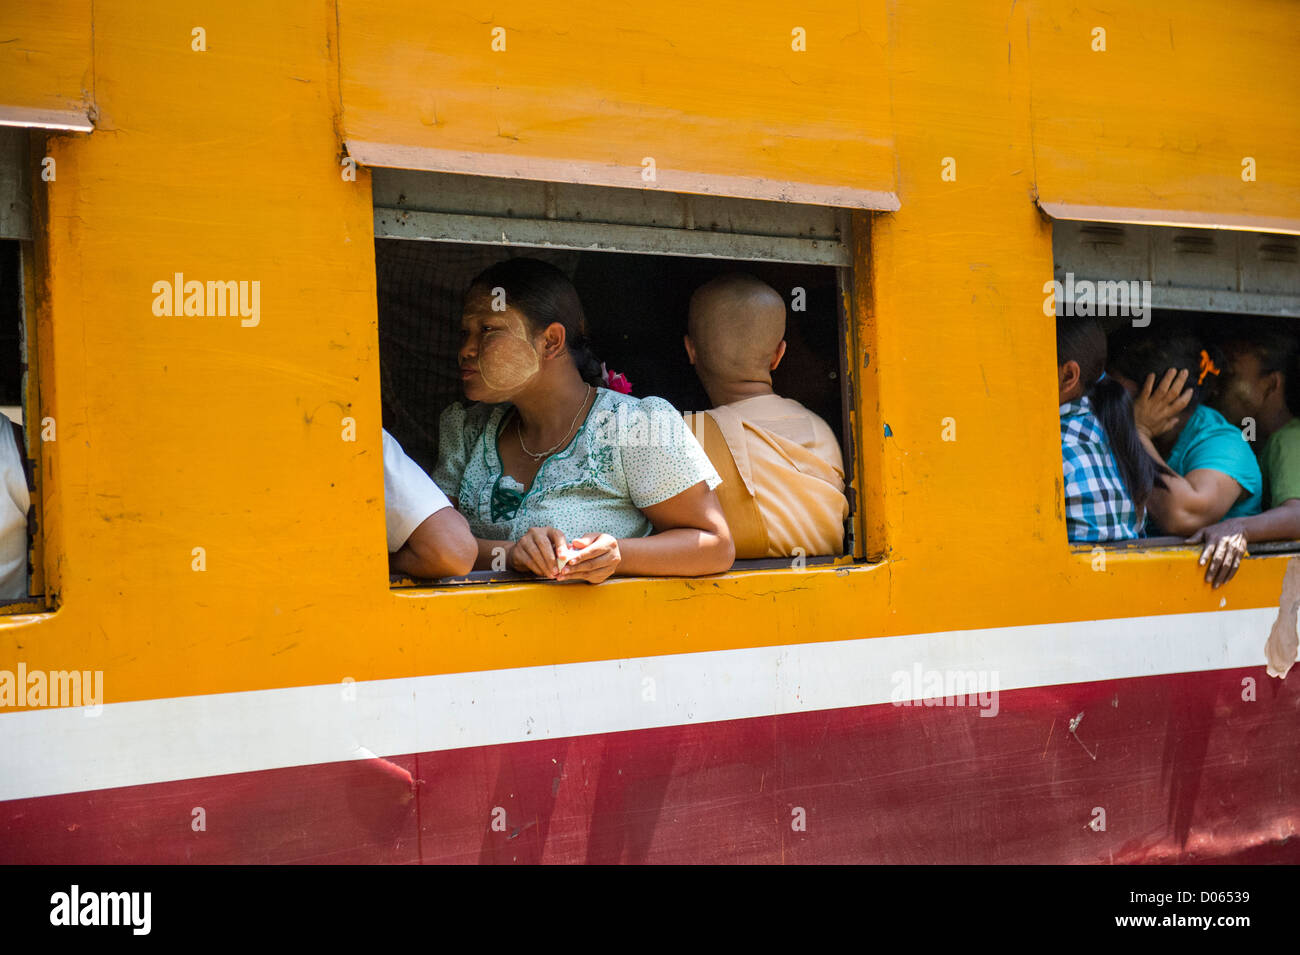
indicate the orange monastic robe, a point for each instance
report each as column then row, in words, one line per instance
column 782, row 476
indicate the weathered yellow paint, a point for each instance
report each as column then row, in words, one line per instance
column 176, row 433
column 45, row 56
column 709, row 91
column 1159, row 123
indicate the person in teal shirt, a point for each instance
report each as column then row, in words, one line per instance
column 1208, row 470
column 1208, row 441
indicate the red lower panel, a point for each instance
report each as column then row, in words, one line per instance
column 1185, row 771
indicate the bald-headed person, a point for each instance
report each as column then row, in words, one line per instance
column 781, row 467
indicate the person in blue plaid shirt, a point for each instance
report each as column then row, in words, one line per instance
column 1108, row 475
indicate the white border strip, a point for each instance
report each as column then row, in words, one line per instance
column 1133, row 215
column 45, row 752
column 70, row 120
column 610, row 174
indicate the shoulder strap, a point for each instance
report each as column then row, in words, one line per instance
column 738, row 505
column 732, row 427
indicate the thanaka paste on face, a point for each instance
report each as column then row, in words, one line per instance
column 506, row 358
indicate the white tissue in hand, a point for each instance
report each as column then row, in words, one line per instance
column 565, row 555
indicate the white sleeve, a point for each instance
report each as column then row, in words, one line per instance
column 14, row 503
column 410, row 495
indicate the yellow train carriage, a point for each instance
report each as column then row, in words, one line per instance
column 208, row 489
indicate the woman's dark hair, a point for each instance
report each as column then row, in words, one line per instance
column 1276, row 350
column 1136, row 353
column 543, row 295
column 1082, row 340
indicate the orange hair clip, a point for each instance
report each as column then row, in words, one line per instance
column 1207, row 367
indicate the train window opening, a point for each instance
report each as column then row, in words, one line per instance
column 634, row 268
column 1226, row 303
column 11, row 332
column 20, row 552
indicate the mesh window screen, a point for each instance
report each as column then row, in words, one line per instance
column 636, row 308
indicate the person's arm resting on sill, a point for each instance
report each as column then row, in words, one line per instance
column 427, row 536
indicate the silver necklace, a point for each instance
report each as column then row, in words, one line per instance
column 538, row 455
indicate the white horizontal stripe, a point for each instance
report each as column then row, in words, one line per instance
column 504, row 166
column 44, row 752
column 1133, row 215
column 72, row 120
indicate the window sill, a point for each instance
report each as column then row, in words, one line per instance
column 1260, row 549
column 400, row 582
column 24, row 605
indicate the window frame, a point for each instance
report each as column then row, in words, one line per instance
column 1156, row 251
column 20, row 152
column 402, row 201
